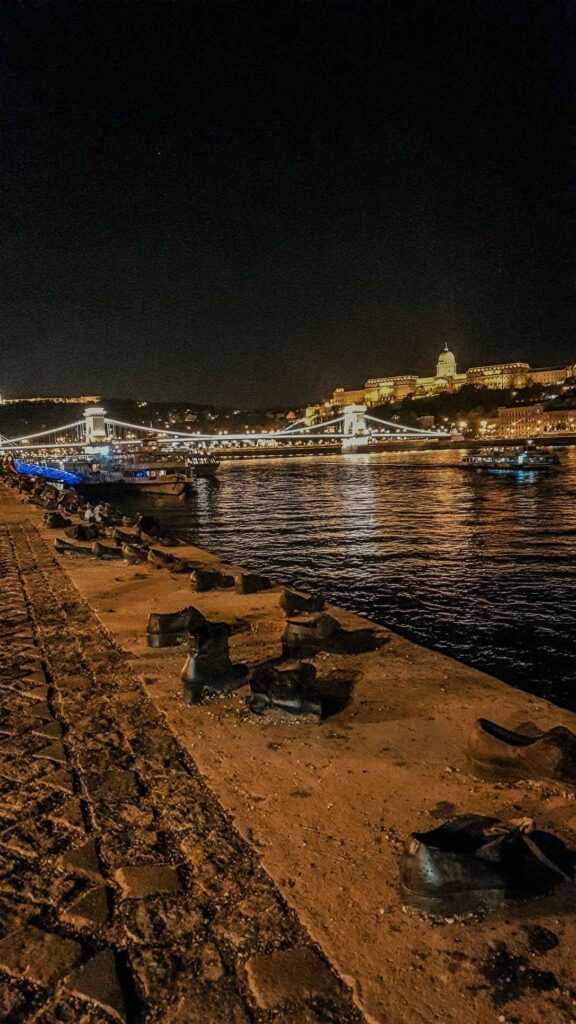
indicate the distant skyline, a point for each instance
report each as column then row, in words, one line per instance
column 250, row 206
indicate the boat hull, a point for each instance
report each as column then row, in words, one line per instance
column 176, row 487
column 498, row 470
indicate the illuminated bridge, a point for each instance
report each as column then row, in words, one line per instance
column 97, row 434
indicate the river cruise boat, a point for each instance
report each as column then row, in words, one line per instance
column 511, row 460
column 125, row 473
column 167, row 476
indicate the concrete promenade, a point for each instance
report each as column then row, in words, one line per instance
column 178, row 864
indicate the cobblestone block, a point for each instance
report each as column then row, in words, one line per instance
column 68, row 1011
column 113, row 785
column 255, row 920
column 39, row 709
column 97, row 981
column 161, row 920
column 211, row 966
column 14, row 914
column 204, row 1004
column 61, row 779
column 91, row 908
column 49, row 730
column 73, row 686
column 35, row 838
column 159, row 969
column 121, row 816
column 139, row 882
column 292, row 974
column 12, row 1001
column 84, row 860
column 20, row 770
column 133, row 848
column 70, row 814
column 54, row 752
column 38, row 956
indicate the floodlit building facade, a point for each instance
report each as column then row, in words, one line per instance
column 524, row 421
column 378, row 390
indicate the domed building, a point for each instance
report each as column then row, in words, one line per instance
column 396, row 387
column 446, row 365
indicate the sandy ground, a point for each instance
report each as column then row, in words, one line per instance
column 327, row 806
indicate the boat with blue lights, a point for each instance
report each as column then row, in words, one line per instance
column 513, row 459
column 126, row 474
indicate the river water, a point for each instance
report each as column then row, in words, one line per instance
column 479, row 566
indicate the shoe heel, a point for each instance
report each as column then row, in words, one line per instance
column 492, row 772
column 453, row 904
column 164, row 639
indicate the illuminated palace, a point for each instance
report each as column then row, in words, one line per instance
column 378, row 390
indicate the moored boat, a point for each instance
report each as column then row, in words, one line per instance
column 167, row 476
column 99, row 476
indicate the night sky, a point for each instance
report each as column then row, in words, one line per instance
column 252, row 203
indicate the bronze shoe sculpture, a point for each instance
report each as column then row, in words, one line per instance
column 168, row 629
column 134, row 554
column 108, row 552
column 251, row 583
column 292, row 602
column 498, row 753
column 83, row 531
column 63, row 547
column 208, row 669
column 290, row 689
column 208, row 579
column 305, row 635
column 55, row 520
column 472, row 862
column 164, row 560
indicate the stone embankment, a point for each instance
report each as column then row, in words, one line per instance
column 170, row 863
column 125, row 891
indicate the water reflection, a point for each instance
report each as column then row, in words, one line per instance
column 479, row 566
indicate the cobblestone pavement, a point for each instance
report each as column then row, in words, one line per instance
column 125, row 891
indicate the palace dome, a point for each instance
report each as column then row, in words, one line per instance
column 446, row 365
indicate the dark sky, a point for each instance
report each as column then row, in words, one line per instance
column 251, row 203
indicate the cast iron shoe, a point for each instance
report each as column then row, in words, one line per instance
column 305, row 635
column 498, row 753
column 294, row 601
column 208, row 579
column 55, row 520
column 290, row 689
column 472, row 862
column 134, row 554
column 83, row 531
column 250, row 583
column 63, row 547
column 108, row 552
column 208, row 669
column 121, row 536
column 152, row 538
column 168, row 629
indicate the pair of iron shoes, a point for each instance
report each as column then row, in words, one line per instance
column 473, row 861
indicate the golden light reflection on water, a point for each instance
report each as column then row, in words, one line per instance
column 483, row 567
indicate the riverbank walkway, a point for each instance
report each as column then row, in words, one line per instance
column 168, row 864
column 102, row 820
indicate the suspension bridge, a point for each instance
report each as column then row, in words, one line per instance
column 98, row 434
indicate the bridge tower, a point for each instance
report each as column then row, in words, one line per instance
column 95, row 425
column 354, row 425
